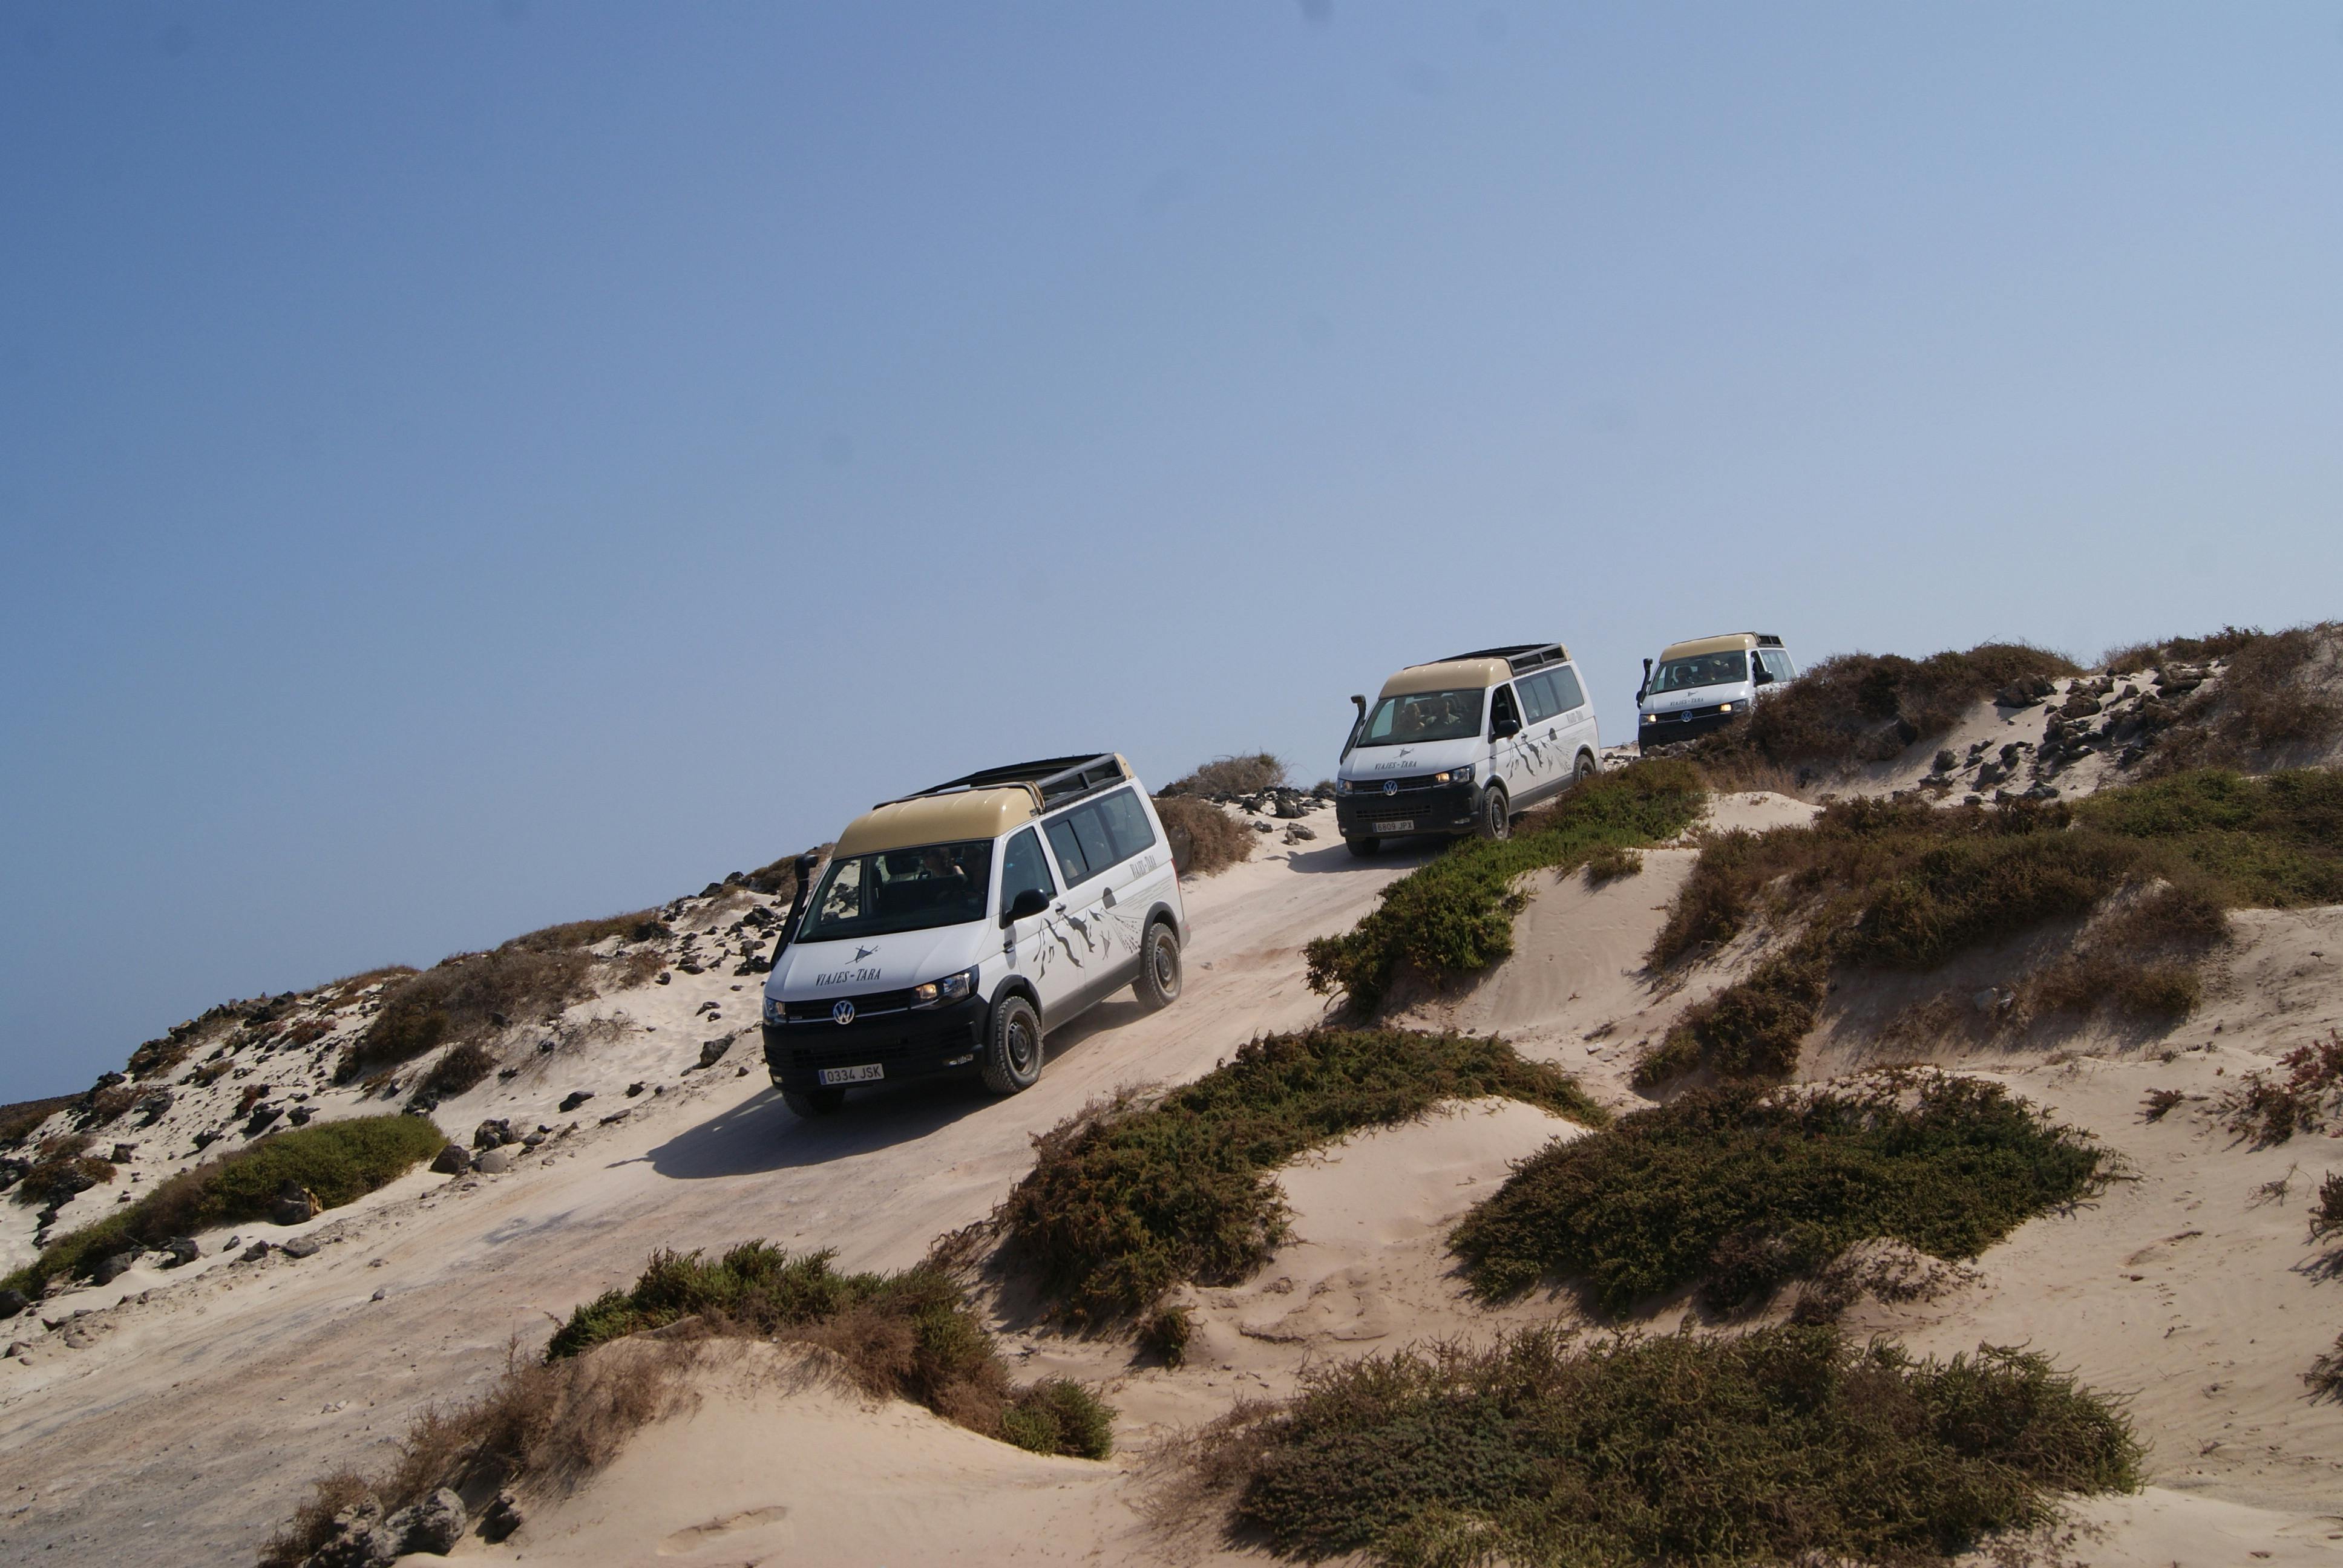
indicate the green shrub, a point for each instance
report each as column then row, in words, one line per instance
column 1608, row 862
column 1166, row 1333
column 1788, row 1445
column 1131, row 1196
column 1735, row 1191
column 1058, row 1415
column 1456, row 915
column 1890, row 884
column 336, row 1161
column 911, row 1336
column 1752, row 1028
column 756, row 1285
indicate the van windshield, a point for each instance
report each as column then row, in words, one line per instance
column 1425, row 716
column 1701, row 669
column 901, row 890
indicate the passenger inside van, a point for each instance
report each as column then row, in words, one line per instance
column 1701, row 669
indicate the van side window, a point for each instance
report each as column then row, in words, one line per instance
column 1098, row 834
column 1502, row 707
column 1778, row 664
column 1567, row 693
column 1126, row 824
column 1537, row 697
column 1023, row 869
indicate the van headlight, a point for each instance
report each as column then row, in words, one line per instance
column 1727, row 707
column 776, row 1010
column 1453, row 775
column 951, row 988
column 1341, row 785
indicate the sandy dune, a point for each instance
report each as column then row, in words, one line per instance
column 203, row 1411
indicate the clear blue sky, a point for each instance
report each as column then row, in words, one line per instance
column 469, row 466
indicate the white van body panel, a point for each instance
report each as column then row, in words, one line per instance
column 1420, row 757
column 1688, row 711
column 808, row 972
column 1558, row 735
column 1088, row 943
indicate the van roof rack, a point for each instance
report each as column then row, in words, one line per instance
column 1763, row 639
column 1053, row 779
column 1524, row 656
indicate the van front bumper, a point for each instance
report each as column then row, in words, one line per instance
column 912, row 1044
column 1439, row 808
column 1665, row 727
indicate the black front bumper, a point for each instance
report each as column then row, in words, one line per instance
column 911, row 1044
column 1435, row 809
column 1671, row 727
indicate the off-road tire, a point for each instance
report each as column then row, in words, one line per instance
column 810, row 1103
column 1011, row 1058
column 1586, row 769
column 1364, row 848
column 1495, row 822
column 1157, row 985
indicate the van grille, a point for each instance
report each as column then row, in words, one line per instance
column 869, row 1004
column 814, row 1058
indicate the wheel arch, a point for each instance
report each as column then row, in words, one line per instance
column 1013, row 985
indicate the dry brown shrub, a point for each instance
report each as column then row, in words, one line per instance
column 20, row 1120
column 543, row 1424
column 1859, row 707
column 2276, row 700
column 111, row 1103
column 1204, row 838
column 1248, row 775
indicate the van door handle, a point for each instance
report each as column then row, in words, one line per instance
column 1108, row 898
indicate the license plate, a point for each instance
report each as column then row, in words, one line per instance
column 868, row 1074
column 1405, row 827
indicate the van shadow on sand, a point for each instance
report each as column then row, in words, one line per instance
column 762, row 1134
column 1409, row 852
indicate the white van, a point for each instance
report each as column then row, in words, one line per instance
column 1463, row 745
column 1708, row 683
column 952, row 930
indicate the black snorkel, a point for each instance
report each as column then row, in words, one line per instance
column 1357, row 724
column 804, row 866
column 1645, row 689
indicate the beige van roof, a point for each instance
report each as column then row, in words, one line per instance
column 1731, row 642
column 938, row 820
column 1448, row 675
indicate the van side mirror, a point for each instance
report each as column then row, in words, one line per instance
column 1024, row 906
column 1504, row 727
column 1760, row 676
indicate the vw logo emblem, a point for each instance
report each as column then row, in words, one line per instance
column 842, row 1013
column 1391, row 786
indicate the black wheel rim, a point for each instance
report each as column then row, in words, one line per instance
column 1167, row 965
column 1021, row 1047
column 1496, row 816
